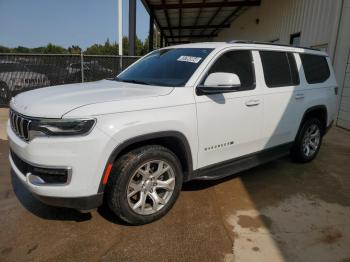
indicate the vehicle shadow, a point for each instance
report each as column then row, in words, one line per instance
column 29, row 202
column 107, row 214
column 39, row 209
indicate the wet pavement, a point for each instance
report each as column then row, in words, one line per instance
column 281, row 211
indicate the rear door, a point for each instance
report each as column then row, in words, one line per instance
column 284, row 99
column 229, row 124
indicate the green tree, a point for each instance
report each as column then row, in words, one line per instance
column 95, row 49
column 108, row 48
column 38, row 50
column 125, row 45
column 74, row 49
column 55, row 49
column 21, row 49
column 4, row 49
column 145, row 46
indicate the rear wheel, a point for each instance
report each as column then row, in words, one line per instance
column 144, row 184
column 308, row 141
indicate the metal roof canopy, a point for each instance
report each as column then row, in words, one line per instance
column 184, row 21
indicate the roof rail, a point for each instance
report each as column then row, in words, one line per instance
column 267, row 43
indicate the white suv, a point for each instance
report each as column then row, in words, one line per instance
column 195, row 111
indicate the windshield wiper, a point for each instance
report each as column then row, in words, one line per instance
column 132, row 81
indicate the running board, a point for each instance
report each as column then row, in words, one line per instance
column 233, row 166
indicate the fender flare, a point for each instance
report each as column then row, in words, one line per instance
column 162, row 134
column 310, row 109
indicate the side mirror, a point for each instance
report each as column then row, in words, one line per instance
column 217, row 83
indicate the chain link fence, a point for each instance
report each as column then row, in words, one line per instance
column 22, row 72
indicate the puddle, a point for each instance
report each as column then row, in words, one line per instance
column 299, row 228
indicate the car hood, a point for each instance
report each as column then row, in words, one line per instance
column 55, row 101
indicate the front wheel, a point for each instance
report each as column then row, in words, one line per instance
column 144, row 184
column 308, row 141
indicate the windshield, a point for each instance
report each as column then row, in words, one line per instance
column 166, row 67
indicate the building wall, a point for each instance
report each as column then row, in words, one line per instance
column 323, row 24
column 344, row 107
column 316, row 20
column 342, row 66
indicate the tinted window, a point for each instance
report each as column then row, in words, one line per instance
column 239, row 63
column 279, row 69
column 166, row 67
column 315, row 67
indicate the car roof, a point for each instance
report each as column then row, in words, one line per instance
column 252, row 45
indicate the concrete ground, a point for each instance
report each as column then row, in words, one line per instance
column 3, row 117
column 281, row 211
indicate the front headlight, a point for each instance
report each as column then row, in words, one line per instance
column 60, row 127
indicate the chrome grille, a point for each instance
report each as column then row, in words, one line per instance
column 20, row 125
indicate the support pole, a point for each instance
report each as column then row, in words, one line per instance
column 82, row 66
column 161, row 40
column 132, row 27
column 150, row 38
column 156, row 42
column 120, row 33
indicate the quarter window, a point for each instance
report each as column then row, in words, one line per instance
column 280, row 69
column 239, row 63
column 315, row 67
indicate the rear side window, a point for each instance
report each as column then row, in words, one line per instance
column 315, row 67
column 280, row 68
column 239, row 63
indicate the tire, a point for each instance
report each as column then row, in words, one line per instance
column 133, row 195
column 308, row 141
column 5, row 94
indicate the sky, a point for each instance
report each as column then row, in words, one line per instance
column 34, row 23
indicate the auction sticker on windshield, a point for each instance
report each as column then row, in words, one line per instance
column 190, row 59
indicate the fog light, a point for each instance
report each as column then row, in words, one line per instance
column 39, row 170
column 50, row 175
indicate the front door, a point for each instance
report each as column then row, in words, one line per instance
column 229, row 124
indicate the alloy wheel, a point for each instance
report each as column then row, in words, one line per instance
column 311, row 140
column 151, row 187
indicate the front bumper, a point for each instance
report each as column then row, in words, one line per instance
column 85, row 157
column 80, row 203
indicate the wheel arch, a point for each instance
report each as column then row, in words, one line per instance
column 173, row 140
column 318, row 111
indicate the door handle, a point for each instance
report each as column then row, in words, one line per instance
column 252, row 102
column 299, row 96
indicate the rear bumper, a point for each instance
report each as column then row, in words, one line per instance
column 80, row 203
